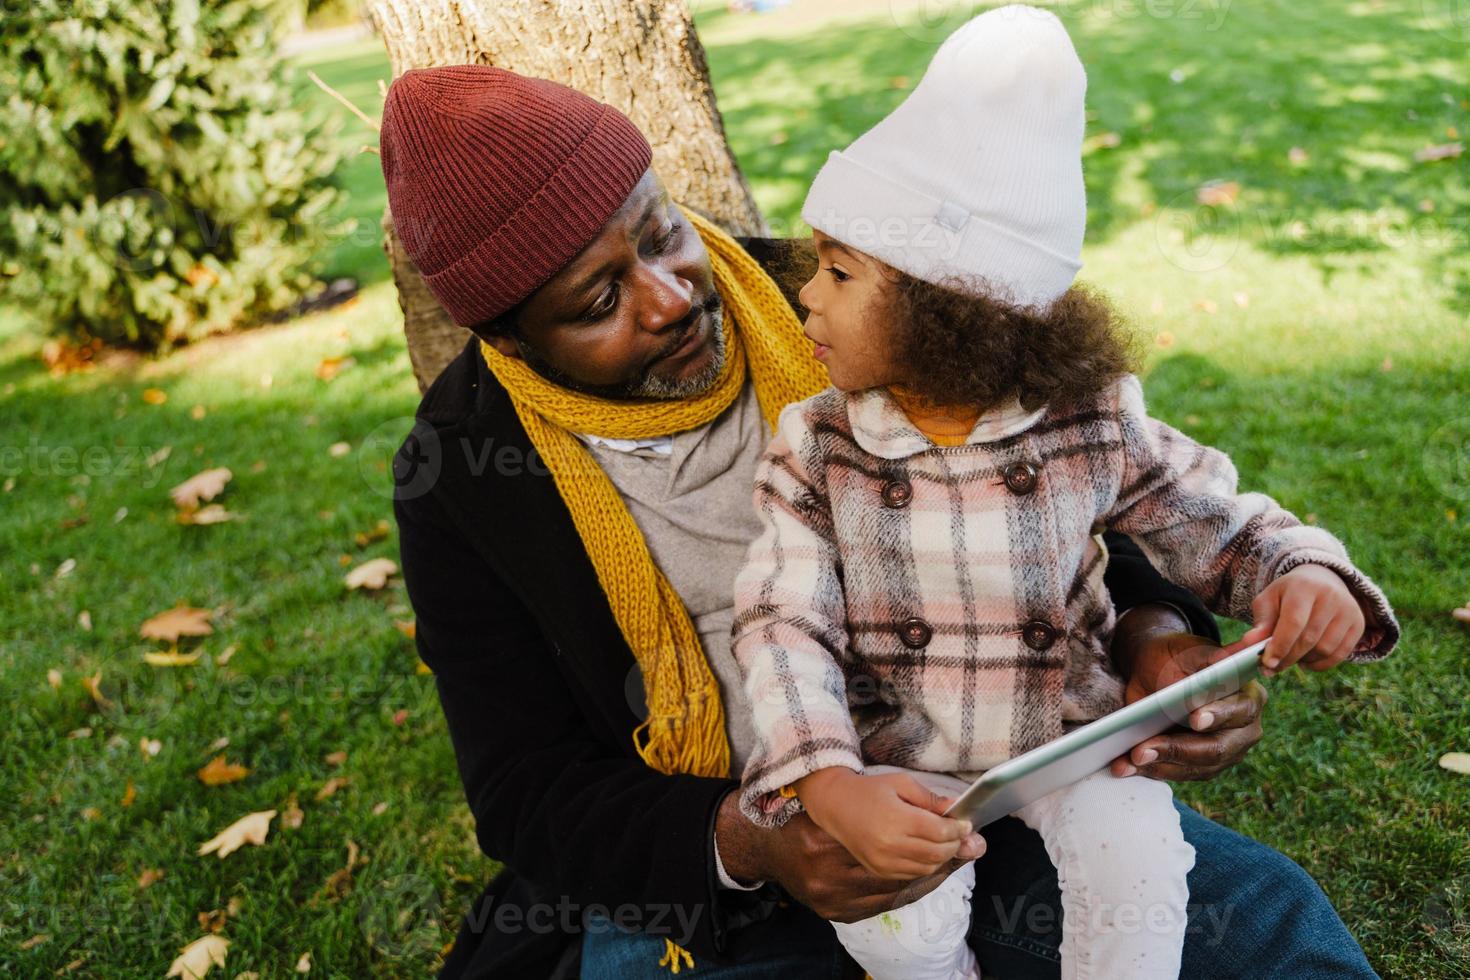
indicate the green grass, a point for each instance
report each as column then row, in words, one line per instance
column 1351, row 351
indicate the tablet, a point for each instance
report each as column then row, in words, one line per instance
column 1083, row 751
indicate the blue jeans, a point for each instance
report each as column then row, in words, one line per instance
column 1253, row 912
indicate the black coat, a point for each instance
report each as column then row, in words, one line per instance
column 534, row 677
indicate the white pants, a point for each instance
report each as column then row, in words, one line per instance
column 1121, row 862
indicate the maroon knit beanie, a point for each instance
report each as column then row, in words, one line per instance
column 495, row 181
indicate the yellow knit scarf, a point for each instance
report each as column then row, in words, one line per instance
column 685, row 728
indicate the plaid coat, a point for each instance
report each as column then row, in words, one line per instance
column 943, row 608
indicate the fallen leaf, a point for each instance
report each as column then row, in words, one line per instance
column 208, row 514
column 179, row 621
column 1297, row 156
column 1164, row 339
column 330, row 787
column 339, row 449
column 93, row 685
column 36, row 940
column 196, row 959
column 249, row 829
column 339, row 882
column 1444, row 151
column 213, row 920
column 1102, row 141
column 154, row 396
column 379, row 809
column 1207, row 306
column 218, row 772
column 84, row 620
column 400, row 716
column 130, row 794
column 197, row 412
column 171, row 657
column 1462, row 614
column 329, row 367
column 335, row 758
column 149, row 878
column 91, row 813
column 202, row 486
column 71, row 966
column 150, row 747
column 378, row 533
column 303, row 965
column 372, row 574
column 224, row 655
column 158, row 456
column 66, row 568
column 422, row 669
column 292, row 817
column 76, row 733
column 200, row 274
column 408, row 627
column 53, row 677
column 1456, row 762
column 1217, row 193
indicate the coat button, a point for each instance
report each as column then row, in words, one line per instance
column 1021, row 478
column 915, row 633
column 897, row 493
column 1038, row 635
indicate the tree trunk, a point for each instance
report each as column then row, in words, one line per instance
column 642, row 56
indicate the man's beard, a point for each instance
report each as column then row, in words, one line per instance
column 646, row 385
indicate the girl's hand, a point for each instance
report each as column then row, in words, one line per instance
column 1308, row 612
column 890, row 823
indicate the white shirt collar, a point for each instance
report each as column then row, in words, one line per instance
column 881, row 428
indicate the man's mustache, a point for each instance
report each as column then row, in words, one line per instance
column 709, row 306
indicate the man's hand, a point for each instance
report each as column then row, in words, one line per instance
column 814, row 868
column 1221, row 732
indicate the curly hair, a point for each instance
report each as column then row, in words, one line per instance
column 960, row 345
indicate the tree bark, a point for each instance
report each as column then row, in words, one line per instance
column 641, row 56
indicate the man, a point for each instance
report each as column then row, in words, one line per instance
column 573, row 504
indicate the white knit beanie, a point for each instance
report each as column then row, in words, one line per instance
column 979, row 171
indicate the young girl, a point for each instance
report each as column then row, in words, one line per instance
column 926, row 596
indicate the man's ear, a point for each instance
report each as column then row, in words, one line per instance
column 503, row 343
